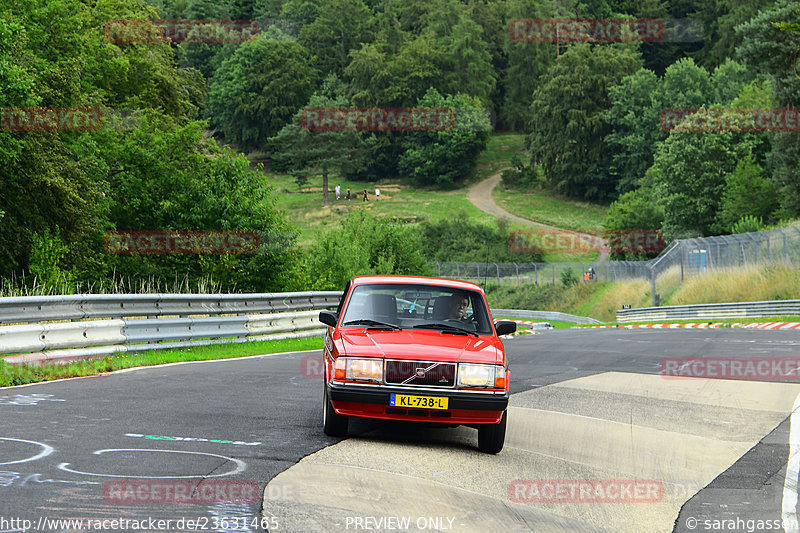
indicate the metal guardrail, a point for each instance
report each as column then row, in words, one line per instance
column 101, row 325
column 112, row 323
column 544, row 315
column 712, row 311
column 23, row 309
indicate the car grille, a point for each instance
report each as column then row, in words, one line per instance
column 405, row 373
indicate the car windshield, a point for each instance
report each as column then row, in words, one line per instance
column 417, row 306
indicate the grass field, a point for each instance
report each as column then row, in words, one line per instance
column 552, row 209
column 413, row 204
column 409, row 204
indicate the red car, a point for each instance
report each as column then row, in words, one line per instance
column 416, row 349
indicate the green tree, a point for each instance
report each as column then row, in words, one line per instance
column 747, row 193
column 301, row 12
column 258, row 90
column 307, row 153
column 634, row 210
column 469, row 67
column 769, row 51
column 639, row 101
column 635, row 122
column 380, row 78
column 43, row 188
column 47, row 254
column 393, row 74
column 569, row 126
column 168, row 176
column 492, row 19
column 467, row 63
column 688, row 177
column 340, row 26
column 61, row 191
column 445, row 157
column 719, row 19
column 526, row 64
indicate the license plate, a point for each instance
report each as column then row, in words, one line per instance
column 426, row 402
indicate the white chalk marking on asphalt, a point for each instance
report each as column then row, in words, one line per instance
column 789, row 503
column 46, row 450
column 241, row 466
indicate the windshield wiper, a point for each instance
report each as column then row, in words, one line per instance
column 370, row 322
column 445, row 327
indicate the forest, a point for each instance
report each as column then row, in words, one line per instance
column 191, row 126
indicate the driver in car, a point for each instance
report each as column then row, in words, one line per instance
column 459, row 303
column 458, row 306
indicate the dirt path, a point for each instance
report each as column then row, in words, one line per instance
column 480, row 195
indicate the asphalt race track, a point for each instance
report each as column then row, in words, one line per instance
column 597, row 441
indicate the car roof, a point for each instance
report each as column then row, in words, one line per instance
column 443, row 282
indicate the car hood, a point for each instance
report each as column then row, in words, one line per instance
column 429, row 345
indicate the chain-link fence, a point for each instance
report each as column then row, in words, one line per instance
column 780, row 245
column 522, row 273
column 682, row 258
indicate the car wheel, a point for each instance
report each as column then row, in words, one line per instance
column 491, row 437
column 332, row 424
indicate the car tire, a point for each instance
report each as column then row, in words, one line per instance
column 334, row 425
column 491, row 437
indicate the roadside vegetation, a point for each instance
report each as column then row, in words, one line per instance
column 213, row 140
column 601, row 300
column 11, row 375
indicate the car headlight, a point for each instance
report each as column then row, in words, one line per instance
column 487, row 376
column 359, row 369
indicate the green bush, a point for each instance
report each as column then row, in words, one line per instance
column 47, row 254
column 522, row 176
column 747, row 224
column 568, row 277
column 457, row 238
column 364, row 244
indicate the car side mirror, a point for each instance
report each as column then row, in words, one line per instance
column 505, row 327
column 329, row 318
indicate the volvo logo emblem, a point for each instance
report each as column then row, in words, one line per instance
column 420, row 372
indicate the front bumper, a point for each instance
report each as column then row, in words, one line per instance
column 372, row 401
